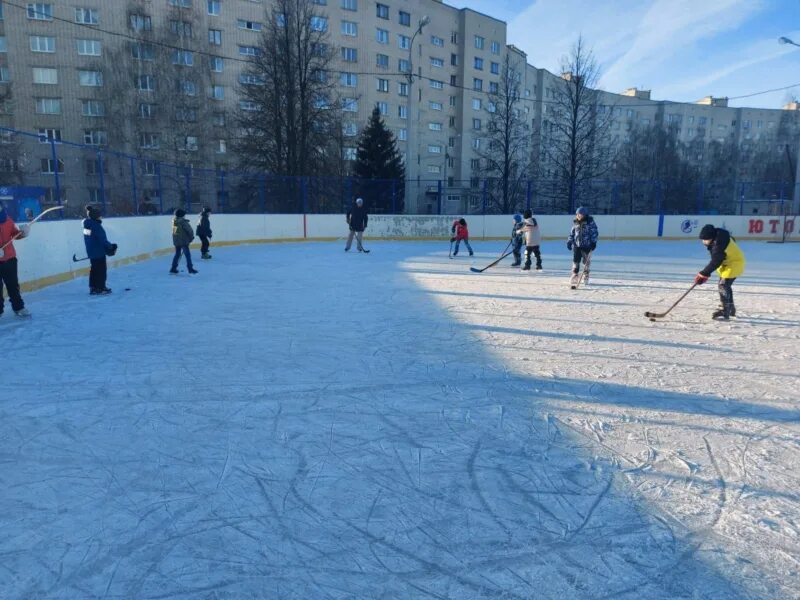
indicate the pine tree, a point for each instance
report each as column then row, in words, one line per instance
column 379, row 167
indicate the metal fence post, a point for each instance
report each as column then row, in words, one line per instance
column 221, row 202
column 615, row 196
column 484, row 192
column 188, row 190
column 133, row 185
column 394, row 196
column 160, row 189
column 304, row 193
column 57, row 180
column 101, row 173
column 741, row 198
column 659, row 196
column 439, row 196
column 262, row 193
column 528, row 194
column 700, row 193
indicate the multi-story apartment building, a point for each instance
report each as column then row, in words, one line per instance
column 76, row 72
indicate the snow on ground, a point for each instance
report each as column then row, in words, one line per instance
column 297, row 422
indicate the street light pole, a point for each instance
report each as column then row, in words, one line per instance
column 412, row 123
column 795, row 191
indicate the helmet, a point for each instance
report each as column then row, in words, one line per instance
column 582, row 211
column 359, row 201
column 517, row 218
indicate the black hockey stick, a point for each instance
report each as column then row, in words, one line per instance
column 653, row 316
column 474, row 270
column 76, row 259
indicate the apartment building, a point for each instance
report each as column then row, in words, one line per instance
column 73, row 77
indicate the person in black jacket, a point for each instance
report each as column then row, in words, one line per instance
column 97, row 249
column 204, row 232
column 357, row 220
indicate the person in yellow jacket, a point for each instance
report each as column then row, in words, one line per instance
column 728, row 260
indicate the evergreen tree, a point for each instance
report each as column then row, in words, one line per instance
column 378, row 159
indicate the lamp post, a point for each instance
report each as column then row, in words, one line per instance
column 795, row 192
column 447, row 160
column 412, row 123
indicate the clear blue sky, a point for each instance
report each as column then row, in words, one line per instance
column 680, row 49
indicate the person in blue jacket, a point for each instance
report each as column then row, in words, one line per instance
column 97, row 248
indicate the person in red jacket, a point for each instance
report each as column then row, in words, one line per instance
column 8, row 263
column 460, row 233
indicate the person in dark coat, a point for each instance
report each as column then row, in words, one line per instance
column 97, row 248
column 182, row 236
column 204, row 232
column 727, row 259
column 357, row 219
column 582, row 241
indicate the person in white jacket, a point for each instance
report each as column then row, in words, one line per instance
column 533, row 241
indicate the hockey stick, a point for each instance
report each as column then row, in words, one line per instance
column 20, row 234
column 76, row 259
column 474, row 270
column 653, row 316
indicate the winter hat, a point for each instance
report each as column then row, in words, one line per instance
column 359, row 201
column 180, row 213
column 92, row 212
column 582, row 211
column 517, row 218
column 206, row 210
column 462, row 221
column 527, row 214
column 708, row 232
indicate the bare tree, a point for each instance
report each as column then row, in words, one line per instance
column 577, row 146
column 506, row 156
column 11, row 169
column 290, row 115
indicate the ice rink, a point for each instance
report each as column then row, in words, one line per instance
column 297, row 422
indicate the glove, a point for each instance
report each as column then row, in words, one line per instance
column 569, row 245
column 112, row 250
column 452, row 240
column 592, row 247
column 700, row 279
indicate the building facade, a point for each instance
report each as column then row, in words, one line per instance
column 159, row 78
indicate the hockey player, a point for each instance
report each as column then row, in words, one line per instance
column 517, row 237
column 357, row 219
column 204, row 232
column 97, row 248
column 728, row 260
column 182, row 236
column 460, row 233
column 8, row 263
column 582, row 241
column 533, row 241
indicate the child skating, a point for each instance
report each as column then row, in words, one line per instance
column 582, row 241
column 182, row 236
column 204, row 232
column 728, row 260
column 460, row 233
column 9, row 275
column 97, row 248
column 533, row 241
column 517, row 237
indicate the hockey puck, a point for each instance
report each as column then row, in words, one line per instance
column 652, row 319
column 127, row 289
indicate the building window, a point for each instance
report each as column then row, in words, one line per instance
column 141, row 22
column 383, row 108
column 435, row 126
column 218, row 119
column 434, row 169
column 402, row 134
column 350, row 154
column 216, row 64
column 143, row 52
column 437, row 62
column 382, row 61
column 319, row 23
column 403, row 65
column 435, row 105
column 495, row 69
column 437, row 85
column 476, row 124
column 349, row 105
column 382, row 85
column 478, row 63
column 49, row 166
column 402, row 111
column 493, row 87
column 381, row 36
column 222, row 147
column 248, row 106
column 454, row 60
column 181, row 3
column 402, row 89
column 476, row 104
column 49, row 135
column 437, row 41
column 403, row 42
column 350, row 129
column 214, row 8
column 181, row 28
column 479, row 42
column 90, row 78
column 477, row 84
column 476, row 144
column 452, row 101
column 349, row 4
column 349, row 55
column 92, row 108
column 149, row 140
column 95, row 137
column 382, row 11
column 249, row 51
column 146, row 83
column 190, row 143
column 48, row 106
column 495, row 47
column 89, row 47
column 45, row 76
column 187, row 88
column 40, row 11
column 348, row 79
column 87, row 16
column 146, row 110
column 434, row 149
column 215, row 37
column 183, row 57
column 186, row 115
column 249, row 25
column 454, row 37
column 349, row 28
column 40, row 43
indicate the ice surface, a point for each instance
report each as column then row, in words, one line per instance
column 297, row 422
